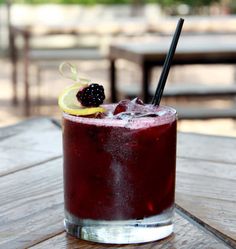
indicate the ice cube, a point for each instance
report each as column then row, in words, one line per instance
column 122, row 106
column 137, row 101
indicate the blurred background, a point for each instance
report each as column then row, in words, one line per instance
column 37, row 35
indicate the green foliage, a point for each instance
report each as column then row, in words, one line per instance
column 187, row 2
column 92, row 2
column 83, row 2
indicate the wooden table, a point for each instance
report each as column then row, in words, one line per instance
column 31, row 197
column 198, row 49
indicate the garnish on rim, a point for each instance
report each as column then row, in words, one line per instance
column 82, row 98
column 91, row 96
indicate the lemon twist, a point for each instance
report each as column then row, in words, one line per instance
column 67, row 101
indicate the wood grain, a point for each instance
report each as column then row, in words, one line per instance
column 208, row 148
column 207, row 192
column 31, row 196
column 29, row 143
column 210, row 50
column 33, row 202
column 32, row 123
column 31, row 205
column 186, row 236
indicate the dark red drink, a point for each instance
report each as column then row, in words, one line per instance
column 120, row 169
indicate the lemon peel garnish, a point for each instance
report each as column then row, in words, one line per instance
column 68, row 102
column 70, row 71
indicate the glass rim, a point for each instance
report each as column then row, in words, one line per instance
column 133, row 123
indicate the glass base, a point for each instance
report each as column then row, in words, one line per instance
column 121, row 232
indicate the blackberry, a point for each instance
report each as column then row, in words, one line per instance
column 91, row 96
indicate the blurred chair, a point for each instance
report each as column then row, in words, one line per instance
column 40, row 57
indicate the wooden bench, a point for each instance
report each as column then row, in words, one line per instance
column 50, row 55
column 43, row 58
column 193, row 91
column 50, row 59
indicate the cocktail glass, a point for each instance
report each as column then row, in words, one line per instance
column 119, row 175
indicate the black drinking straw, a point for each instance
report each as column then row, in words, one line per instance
column 166, row 67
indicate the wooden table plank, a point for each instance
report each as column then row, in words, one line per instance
column 31, row 210
column 207, row 192
column 216, row 216
column 29, row 143
column 32, row 123
column 31, row 207
column 33, row 202
column 209, row 49
column 198, row 49
column 206, row 168
column 183, row 228
column 208, row 148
